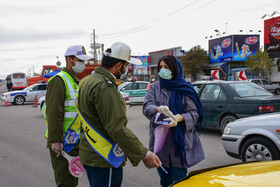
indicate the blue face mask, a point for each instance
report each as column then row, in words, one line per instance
column 165, row 73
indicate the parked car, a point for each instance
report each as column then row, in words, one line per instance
column 226, row 101
column 266, row 84
column 136, row 90
column 241, row 174
column 253, row 138
column 41, row 100
column 26, row 95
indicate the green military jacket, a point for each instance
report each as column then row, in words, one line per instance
column 103, row 107
column 55, row 100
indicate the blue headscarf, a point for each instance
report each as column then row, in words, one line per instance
column 179, row 87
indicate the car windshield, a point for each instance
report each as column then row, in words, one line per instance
column 244, row 89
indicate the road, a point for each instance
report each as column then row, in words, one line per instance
column 25, row 160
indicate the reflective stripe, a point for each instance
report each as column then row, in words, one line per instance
column 71, row 91
column 70, row 103
column 70, row 114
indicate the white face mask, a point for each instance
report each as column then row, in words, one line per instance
column 123, row 75
column 79, row 67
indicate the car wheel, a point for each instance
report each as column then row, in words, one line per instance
column 277, row 91
column 225, row 121
column 259, row 149
column 19, row 100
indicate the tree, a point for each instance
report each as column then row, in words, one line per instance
column 193, row 61
column 260, row 64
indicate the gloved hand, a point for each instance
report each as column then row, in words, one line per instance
column 165, row 110
column 174, row 121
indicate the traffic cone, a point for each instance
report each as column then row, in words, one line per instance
column 6, row 101
column 35, row 102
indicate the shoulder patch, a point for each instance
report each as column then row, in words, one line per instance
column 109, row 83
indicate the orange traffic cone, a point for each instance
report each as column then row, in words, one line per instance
column 6, row 101
column 35, row 102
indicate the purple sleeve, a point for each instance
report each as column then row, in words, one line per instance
column 149, row 105
column 191, row 115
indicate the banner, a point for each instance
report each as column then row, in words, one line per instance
column 245, row 45
column 141, row 69
column 272, row 35
column 220, row 49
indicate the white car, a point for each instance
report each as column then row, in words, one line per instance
column 41, row 101
column 253, row 138
column 26, row 95
column 136, row 90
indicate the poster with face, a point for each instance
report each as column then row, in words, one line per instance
column 141, row 69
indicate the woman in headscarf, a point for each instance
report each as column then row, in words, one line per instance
column 173, row 93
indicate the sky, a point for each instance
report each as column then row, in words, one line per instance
column 35, row 32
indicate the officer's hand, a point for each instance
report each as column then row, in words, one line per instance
column 57, row 148
column 151, row 160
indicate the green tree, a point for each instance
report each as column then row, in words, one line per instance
column 260, row 64
column 193, row 61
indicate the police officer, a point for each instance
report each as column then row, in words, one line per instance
column 61, row 114
column 106, row 142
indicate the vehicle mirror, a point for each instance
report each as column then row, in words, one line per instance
column 31, row 90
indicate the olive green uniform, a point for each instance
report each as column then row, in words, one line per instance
column 55, row 99
column 103, row 107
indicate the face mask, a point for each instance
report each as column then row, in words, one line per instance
column 79, row 67
column 123, row 75
column 153, row 80
column 165, row 73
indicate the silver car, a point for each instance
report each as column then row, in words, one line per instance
column 253, row 138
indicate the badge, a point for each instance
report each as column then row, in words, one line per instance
column 117, row 151
column 71, row 137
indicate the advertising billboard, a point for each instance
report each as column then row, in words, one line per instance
column 244, row 46
column 233, row 48
column 272, row 36
column 141, row 69
column 220, row 49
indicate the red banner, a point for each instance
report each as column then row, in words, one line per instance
column 272, row 34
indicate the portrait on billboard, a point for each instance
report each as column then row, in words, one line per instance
column 141, row 69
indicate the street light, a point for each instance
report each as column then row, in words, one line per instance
column 274, row 13
column 216, row 30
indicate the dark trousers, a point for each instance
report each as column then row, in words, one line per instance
column 174, row 174
column 63, row 177
column 104, row 177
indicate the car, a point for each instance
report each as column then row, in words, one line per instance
column 266, row 84
column 26, row 95
column 41, row 100
column 226, row 101
column 241, row 174
column 136, row 90
column 253, row 138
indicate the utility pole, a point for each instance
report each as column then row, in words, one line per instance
column 94, row 45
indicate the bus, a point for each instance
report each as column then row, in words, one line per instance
column 19, row 80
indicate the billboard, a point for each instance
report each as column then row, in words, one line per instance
column 220, row 49
column 233, row 48
column 272, row 35
column 141, row 69
column 245, row 45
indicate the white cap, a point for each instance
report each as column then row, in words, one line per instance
column 122, row 51
column 78, row 51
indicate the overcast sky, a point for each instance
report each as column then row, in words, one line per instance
column 35, row 32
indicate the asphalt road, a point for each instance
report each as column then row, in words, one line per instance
column 25, row 161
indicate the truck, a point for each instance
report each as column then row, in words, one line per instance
column 47, row 69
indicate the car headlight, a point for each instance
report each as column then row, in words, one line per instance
column 227, row 130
